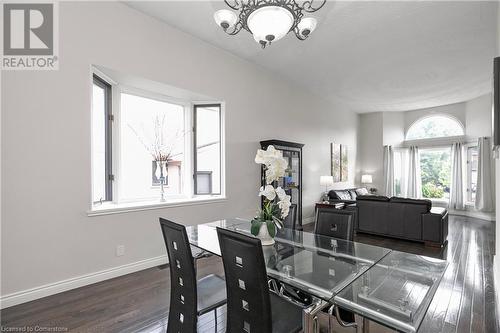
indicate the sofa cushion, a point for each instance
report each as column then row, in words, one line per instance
column 372, row 198
column 353, row 194
column 361, row 191
column 332, row 195
column 425, row 202
column 343, row 194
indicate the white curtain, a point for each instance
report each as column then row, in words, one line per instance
column 401, row 172
column 485, row 191
column 457, row 176
column 414, row 179
column 388, row 171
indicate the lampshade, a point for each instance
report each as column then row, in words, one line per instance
column 326, row 180
column 366, row 179
column 270, row 23
column 225, row 16
column 307, row 25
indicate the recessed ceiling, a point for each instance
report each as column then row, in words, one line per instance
column 372, row 56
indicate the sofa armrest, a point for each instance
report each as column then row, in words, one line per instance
column 435, row 225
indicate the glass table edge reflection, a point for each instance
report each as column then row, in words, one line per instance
column 384, row 319
column 242, row 226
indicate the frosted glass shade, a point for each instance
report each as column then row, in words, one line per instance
column 307, row 25
column 225, row 16
column 326, row 180
column 366, row 179
column 270, row 23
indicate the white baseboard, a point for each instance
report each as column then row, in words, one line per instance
column 475, row 214
column 76, row 282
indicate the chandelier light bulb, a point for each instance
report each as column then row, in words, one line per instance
column 307, row 25
column 225, row 18
column 269, row 24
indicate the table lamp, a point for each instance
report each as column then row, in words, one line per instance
column 326, row 181
column 368, row 179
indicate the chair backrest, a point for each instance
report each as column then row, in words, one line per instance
column 248, row 302
column 290, row 220
column 334, row 223
column 183, row 315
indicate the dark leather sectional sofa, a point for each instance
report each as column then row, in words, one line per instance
column 409, row 219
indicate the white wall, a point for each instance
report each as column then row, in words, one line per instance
column 393, row 128
column 478, row 116
column 370, row 147
column 46, row 233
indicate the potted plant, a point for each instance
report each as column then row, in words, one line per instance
column 277, row 203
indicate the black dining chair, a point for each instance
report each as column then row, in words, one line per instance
column 189, row 297
column 290, row 220
column 335, row 223
column 251, row 307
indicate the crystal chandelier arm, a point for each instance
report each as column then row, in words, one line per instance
column 309, row 7
column 236, row 5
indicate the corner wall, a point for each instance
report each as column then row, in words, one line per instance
column 48, row 243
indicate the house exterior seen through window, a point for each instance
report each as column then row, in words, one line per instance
column 437, row 126
column 435, row 161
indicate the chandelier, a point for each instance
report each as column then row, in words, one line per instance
column 268, row 20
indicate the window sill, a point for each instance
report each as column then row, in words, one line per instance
column 120, row 208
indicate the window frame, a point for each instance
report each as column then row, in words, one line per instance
column 468, row 156
column 195, row 149
column 434, row 148
column 173, row 95
column 437, row 138
column 108, row 136
column 186, row 192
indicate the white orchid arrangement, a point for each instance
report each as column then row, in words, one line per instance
column 276, row 202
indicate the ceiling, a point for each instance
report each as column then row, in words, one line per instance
column 372, row 56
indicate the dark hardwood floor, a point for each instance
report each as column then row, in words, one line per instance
column 138, row 302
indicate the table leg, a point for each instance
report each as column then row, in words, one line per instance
column 310, row 321
column 366, row 325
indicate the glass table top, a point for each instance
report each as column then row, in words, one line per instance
column 319, row 265
column 396, row 291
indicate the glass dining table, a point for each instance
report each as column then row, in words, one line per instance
column 390, row 287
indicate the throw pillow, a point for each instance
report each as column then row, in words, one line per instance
column 362, row 191
column 343, row 195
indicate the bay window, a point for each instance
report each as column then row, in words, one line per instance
column 165, row 149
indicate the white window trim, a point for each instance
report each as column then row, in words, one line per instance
column 452, row 117
column 109, row 208
column 188, row 198
column 468, row 172
column 435, row 142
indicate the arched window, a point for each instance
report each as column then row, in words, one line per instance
column 437, row 126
